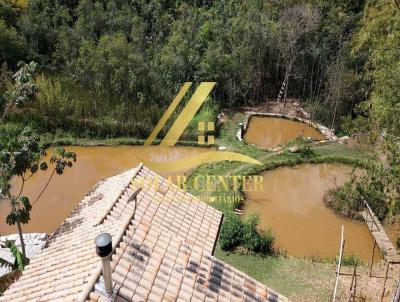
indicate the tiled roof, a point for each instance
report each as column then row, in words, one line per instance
column 164, row 240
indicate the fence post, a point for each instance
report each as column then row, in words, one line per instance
column 339, row 264
column 372, row 258
column 384, row 282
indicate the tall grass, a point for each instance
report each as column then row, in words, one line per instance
column 62, row 105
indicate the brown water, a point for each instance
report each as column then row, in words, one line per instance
column 269, row 132
column 93, row 164
column 292, row 205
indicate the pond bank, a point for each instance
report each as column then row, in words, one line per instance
column 298, row 278
column 270, row 133
column 51, row 140
column 327, row 134
column 292, row 110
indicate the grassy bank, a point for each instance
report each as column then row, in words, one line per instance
column 68, row 139
column 119, row 141
column 329, row 153
column 97, row 133
column 297, row 278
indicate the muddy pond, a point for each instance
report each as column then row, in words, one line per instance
column 93, row 164
column 291, row 202
column 292, row 205
column 269, row 132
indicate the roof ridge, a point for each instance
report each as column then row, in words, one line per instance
column 116, row 242
column 111, row 206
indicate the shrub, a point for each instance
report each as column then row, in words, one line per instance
column 306, row 151
column 304, row 147
column 251, row 240
column 344, row 200
column 254, row 239
column 9, row 132
column 231, row 232
column 347, row 200
column 236, row 232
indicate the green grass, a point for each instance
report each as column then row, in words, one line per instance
column 298, row 279
column 119, row 141
column 330, row 153
column 67, row 111
column 11, row 129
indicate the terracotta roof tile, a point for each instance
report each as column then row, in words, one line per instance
column 164, row 253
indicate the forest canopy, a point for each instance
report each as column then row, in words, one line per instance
column 106, row 65
column 109, row 60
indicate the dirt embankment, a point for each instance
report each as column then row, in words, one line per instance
column 292, row 109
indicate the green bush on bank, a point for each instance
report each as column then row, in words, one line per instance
column 231, row 232
column 244, row 233
column 9, row 131
column 347, row 200
column 344, row 201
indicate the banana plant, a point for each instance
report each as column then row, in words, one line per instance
column 19, row 262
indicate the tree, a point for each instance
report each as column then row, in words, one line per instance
column 22, row 157
column 295, row 24
column 19, row 262
column 112, row 66
column 113, row 52
column 23, row 89
column 41, row 24
column 376, row 45
column 23, row 154
column 12, row 45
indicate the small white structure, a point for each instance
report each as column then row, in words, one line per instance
column 34, row 242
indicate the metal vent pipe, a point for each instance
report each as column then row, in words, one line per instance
column 104, row 250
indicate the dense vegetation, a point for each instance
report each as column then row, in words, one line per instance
column 377, row 45
column 238, row 233
column 108, row 67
